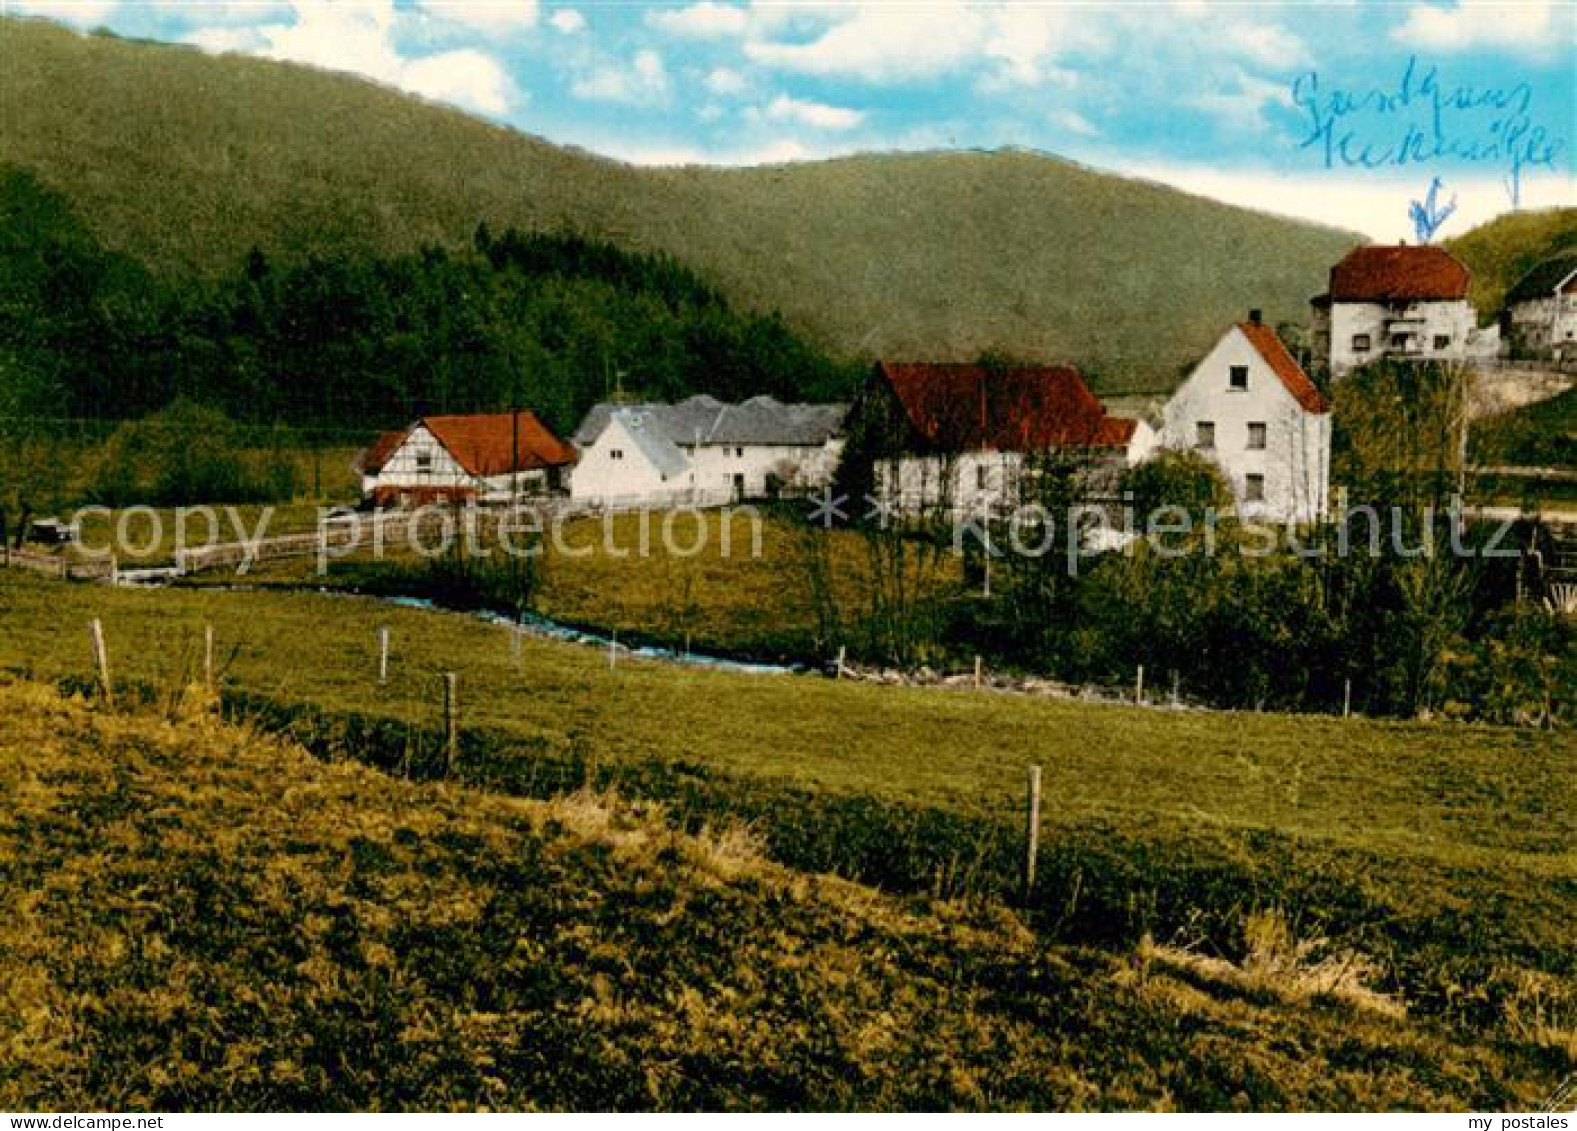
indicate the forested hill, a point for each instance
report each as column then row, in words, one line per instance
column 185, row 161
column 554, row 322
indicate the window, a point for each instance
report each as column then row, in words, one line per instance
column 982, row 477
column 615, row 453
column 424, row 463
column 739, row 453
column 1360, row 343
column 1400, row 341
column 1442, row 341
column 1256, row 436
column 1253, row 488
column 1237, row 377
column 1205, row 435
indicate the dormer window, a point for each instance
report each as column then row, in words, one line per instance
column 1237, row 378
column 615, row 453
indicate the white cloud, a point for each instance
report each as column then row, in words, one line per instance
column 1525, row 28
column 725, row 82
column 705, row 20
column 359, row 38
column 878, row 43
column 568, row 21
column 84, row 13
column 1074, row 123
column 1265, row 45
column 643, row 80
column 779, row 152
column 493, row 16
column 1242, row 102
column 817, row 115
column 1373, row 205
column 219, row 40
column 464, row 78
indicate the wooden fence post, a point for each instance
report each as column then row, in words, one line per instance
column 451, row 721
column 1032, row 832
column 613, row 650
column 837, row 672
column 208, row 657
column 383, row 654
column 1175, row 680
column 1138, row 685
column 101, row 658
column 977, row 671
column 1347, row 698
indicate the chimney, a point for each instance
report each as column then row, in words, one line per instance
column 1254, row 316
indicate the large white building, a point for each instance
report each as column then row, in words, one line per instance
column 1540, row 319
column 704, row 451
column 1250, row 408
column 975, row 439
column 1399, row 301
column 493, row 456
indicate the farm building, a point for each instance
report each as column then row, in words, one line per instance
column 1540, row 319
column 966, row 437
column 493, row 456
column 1250, row 408
column 703, row 451
column 1394, row 301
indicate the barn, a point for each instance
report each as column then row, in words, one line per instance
column 491, row 457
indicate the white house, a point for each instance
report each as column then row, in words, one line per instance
column 1394, row 301
column 1250, row 407
column 1540, row 319
column 488, row 456
column 972, row 438
column 704, row 451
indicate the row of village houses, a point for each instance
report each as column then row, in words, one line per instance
column 960, row 434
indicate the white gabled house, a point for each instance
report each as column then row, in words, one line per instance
column 1250, row 408
column 492, row 456
column 1540, row 319
column 703, row 451
column 1401, row 301
column 975, row 439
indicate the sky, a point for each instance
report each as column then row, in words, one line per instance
column 1342, row 112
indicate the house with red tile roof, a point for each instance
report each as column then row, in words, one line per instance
column 1249, row 407
column 967, row 436
column 476, row 456
column 1397, row 301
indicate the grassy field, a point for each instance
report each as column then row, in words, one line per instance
column 1443, row 852
column 187, row 161
column 200, row 916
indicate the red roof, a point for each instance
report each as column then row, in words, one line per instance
column 371, row 461
column 959, row 408
column 1285, row 366
column 1399, row 273
column 482, row 443
column 485, row 444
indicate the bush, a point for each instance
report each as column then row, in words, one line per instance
column 186, row 454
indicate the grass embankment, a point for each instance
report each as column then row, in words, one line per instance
column 203, row 917
column 1444, row 852
column 746, row 593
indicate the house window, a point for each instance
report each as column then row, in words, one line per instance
column 1360, row 343
column 1253, row 488
column 1442, row 341
column 1237, row 377
column 1256, row 436
column 1205, row 435
column 982, row 477
column 1400, row 341
column 424, row 463
column 739, row 453
column 615, row 453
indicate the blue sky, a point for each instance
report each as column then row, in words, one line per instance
column 1224, row 99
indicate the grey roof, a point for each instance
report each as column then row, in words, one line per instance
column 1543, row 279
column 707, row 420
column 644, row 429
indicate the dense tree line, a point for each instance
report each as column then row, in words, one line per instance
column 554, row 322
